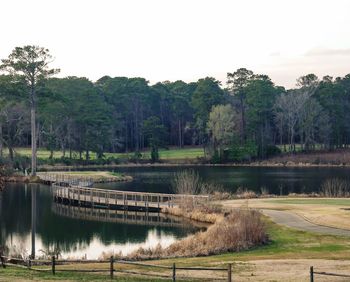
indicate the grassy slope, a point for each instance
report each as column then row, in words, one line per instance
column 171, row 154
column 285, row 243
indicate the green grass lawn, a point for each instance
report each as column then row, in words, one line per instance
column 171, row 154
column 317, row 201
column 285, row 243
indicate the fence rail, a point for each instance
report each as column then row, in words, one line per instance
column 112, row 270
column 313, row 272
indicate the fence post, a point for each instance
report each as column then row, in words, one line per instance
column 111, row 269
column 53, row 264
column 311, row 274
column 174, row 272
column 29, row 263
column 229, row 272
column 3, row 262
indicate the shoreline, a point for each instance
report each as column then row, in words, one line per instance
column 97, row 178
column 140, row 165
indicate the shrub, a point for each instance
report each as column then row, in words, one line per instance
column 239, row 153
column 239, row 230
column 244, row 193
column 335, row 187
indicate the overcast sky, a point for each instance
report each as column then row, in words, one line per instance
column 183, row 39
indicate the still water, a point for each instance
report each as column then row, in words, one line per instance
column 276, row 180
column 31, row 223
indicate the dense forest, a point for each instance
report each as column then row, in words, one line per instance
column 244, row 117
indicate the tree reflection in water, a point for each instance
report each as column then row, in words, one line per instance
column 28, row 221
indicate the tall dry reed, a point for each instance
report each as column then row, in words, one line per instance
column 239, row 230
column 335, row 187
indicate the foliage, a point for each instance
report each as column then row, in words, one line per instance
column 221, row 127
column 30, row 64
column 207, row 94
column 154, row 131
column 239, row 153
column 127, row 116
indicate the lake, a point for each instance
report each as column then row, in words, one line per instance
column 276, row 180
column 54, row 226
column 31, row 221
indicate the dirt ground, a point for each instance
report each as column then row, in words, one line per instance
column 291, row 270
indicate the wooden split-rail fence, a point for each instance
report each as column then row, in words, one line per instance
column 323, row 273
column 116, row 267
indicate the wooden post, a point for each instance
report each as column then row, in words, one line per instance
column 311, row 274
column 92, row 199
column 229, row 272
column 53, row 264
column 29, row 263
column 3, row 262
column 174, row 272
column 111, row 269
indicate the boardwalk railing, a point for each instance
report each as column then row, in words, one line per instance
column 313, row 272
column 116, row 199
column 113, row 266
column 61, row 179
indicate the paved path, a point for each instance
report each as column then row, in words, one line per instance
column 295, row 221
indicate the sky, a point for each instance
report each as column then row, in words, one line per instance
column 183, row 39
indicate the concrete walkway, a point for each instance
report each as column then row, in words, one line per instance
column 295, row 221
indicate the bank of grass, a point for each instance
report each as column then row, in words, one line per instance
column 97, row 176
column 285, row 243
column 164, row 154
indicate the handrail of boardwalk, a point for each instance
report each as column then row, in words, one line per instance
column 114, row 198
column 67, row 179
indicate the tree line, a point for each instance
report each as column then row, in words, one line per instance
column 243, row 119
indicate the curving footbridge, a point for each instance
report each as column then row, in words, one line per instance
column 66, row 191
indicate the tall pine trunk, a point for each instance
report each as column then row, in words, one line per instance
column 33, row 132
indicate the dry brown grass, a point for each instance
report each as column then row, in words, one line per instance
column 209, row 213
column 239, row 230
column 244, row 193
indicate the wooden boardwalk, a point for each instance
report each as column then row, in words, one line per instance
column 120, row 200
column 66, row 179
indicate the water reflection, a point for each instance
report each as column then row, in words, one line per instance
column 123, row 216
column 33, row 219
column 274, row 179
column 29, row 223
column 93, row 249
